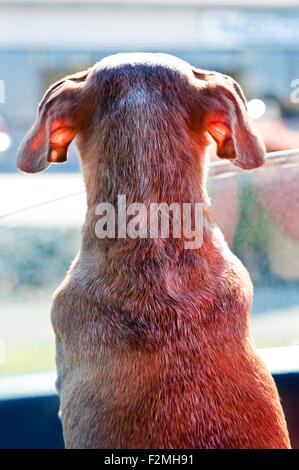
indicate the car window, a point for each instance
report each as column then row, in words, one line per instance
column 40, row 227
column 258, row 214
column 37, row 241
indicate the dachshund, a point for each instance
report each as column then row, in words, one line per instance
column 153, row 341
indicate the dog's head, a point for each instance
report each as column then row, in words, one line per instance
column 212, row 103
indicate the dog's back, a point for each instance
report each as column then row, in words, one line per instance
column 155, row 364
column 153, row 343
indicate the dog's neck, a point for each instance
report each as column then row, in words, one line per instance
column 188, row 189
column 169, row 170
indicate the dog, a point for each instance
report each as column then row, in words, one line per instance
column 153, row 341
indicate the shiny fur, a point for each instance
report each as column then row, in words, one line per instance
column 153, row 340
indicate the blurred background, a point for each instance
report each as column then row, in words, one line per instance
column 256, row 42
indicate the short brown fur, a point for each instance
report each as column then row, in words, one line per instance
column 153, row 341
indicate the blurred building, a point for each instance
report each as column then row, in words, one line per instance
column 256, row 41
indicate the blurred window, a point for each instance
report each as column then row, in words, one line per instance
column 257, row 211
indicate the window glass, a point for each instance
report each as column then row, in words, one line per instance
column 256, row 211
column 41, row 215
column 37, row 245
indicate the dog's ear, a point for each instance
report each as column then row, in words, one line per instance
column 58, row 120
column 226, row 119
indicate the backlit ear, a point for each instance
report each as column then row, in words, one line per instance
column 227, row 121
column 58, row 120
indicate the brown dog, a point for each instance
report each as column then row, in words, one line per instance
column 153, row 341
